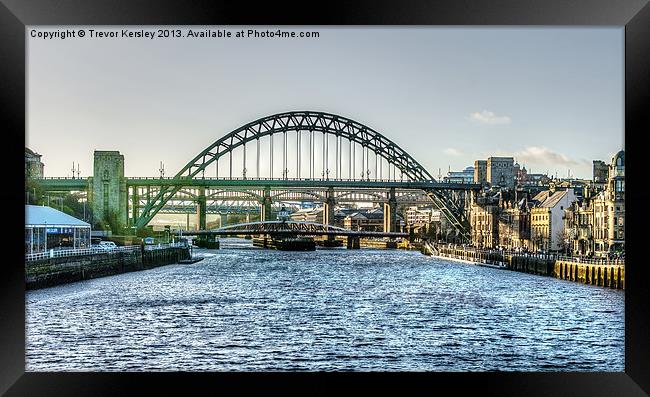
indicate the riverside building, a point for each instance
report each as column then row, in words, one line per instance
column 596, row 225
column 547, row 219
column 47, row 228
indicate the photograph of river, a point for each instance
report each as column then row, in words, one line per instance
column 325, row 198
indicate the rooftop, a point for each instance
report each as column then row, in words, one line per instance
column 48, row 216
column 549, row 200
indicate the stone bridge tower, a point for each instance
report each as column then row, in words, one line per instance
column 109, row 194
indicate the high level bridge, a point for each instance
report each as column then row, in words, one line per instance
column 293, row 156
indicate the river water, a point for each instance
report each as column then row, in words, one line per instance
column 248, row 309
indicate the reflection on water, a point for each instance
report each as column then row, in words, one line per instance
column 248, row 309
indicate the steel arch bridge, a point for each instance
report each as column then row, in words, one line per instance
column 370, row 144
column 297, row 155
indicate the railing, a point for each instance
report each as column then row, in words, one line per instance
column 241, row 178
column 592, row 261
column 557, row 257
column 163, row 246
column 64, row 177
column 52, row 253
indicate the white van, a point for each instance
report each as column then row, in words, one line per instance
column 107, row 245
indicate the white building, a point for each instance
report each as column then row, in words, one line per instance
column 419, row 217
column 47, row 228
column 547, row 218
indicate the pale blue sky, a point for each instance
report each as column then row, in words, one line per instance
column 550, row 97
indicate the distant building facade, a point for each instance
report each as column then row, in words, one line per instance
column 597, row 223
column 600, row 171
column 480, row 171
column 418, row 216
column 34, row 167
column 514, row 225
column 500, row 172
column 484, row 222
column 370, row 220
column 547, row 219
column 464, row 176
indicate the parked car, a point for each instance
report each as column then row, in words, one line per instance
column 107, row 245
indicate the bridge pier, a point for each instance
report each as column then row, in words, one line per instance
column 354, row 242
column 135, row 208
column 265, row 210
column 109, row 192
column 390, row 212
column 201, row 209
column 328, row 210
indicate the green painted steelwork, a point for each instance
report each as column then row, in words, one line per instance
column 161, row 190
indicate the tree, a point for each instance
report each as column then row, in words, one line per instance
column 563, row 240
column 537, row 240
column 110, row 222
column 431, row 231
column 33, row 192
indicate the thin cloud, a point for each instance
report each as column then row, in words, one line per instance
column 450, row 151
column 487, row 117
column 540, row 155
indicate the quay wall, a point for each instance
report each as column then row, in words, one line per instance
column 377, row 244
column 600, row 274
column 54, row 271
column 612, row 276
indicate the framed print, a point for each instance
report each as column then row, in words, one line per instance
column 430, row 193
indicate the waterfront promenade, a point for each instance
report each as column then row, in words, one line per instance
column 65, row 266
column 604, row 272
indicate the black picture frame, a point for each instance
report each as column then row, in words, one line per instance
column 634, row 15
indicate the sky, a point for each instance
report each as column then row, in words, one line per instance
column 553, row 98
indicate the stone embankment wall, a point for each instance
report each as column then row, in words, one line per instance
column 600, row 274
column 54, row 271
column 612, row 276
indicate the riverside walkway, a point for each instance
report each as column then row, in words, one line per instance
column 604, row 272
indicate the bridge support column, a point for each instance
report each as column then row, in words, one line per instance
column 265, row 213
column 135, row 208
column 223, row 220
column 201, row 209
column 390, row 212
column 328, row 210
column 110, row 194
column 354, row 242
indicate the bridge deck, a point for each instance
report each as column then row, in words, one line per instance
column 349, row 233
column 81, row 183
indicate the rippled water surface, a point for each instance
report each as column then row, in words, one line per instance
column 247, row 309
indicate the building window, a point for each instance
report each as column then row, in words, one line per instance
column 105, row 199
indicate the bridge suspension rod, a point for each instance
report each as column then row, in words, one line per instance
column 284, row 155
column 311, row 154
column 258, row 157
column 324, row 156
column 298, row 154
column 244, row 165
